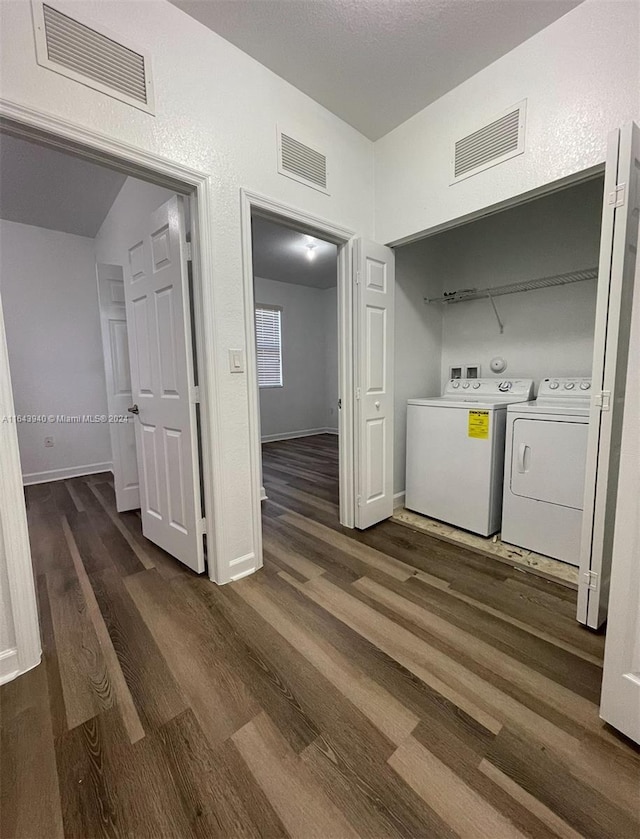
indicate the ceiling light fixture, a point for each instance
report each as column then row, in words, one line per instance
column 311, row 251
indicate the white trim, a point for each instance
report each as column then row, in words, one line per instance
column 49, row 475
column 20, row 597
column 251, row 202
column 293, row 435
column 45, row 128
column 398, row 499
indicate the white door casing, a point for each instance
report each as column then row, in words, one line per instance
column 374, row 347
column 159, row 329
column 117, row 368
column 620, row 701
column 618, row 248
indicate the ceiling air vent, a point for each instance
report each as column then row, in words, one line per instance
column 93, row 58
column 494, row 143
column 301, row 162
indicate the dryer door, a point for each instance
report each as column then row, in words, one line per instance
column 548, row 461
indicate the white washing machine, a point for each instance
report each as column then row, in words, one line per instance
column 545, row 460
column 455, row 451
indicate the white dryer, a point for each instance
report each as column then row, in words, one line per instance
column 455, row 451
column 545, row 460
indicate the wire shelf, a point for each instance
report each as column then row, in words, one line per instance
column 527, row 285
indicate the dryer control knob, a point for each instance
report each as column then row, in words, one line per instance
column 553, row 385
column 465, row 384
column 455, row 384
column 569, row 385
column 476, row 385
column 585, row 385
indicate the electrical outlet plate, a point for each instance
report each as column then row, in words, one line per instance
column 455, row 372
column 472, row 371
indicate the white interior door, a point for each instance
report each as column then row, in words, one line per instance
column 620, row 703
column 162, row 379
column 611, row 347
column 374, row 312
column 115, row 347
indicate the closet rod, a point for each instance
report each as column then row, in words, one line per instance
column 513, row 288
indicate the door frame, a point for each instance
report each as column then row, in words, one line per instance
column 253, row 203
column 48, row 130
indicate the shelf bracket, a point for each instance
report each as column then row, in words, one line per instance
column 495, row 311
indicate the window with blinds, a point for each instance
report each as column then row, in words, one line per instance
column 269, row 345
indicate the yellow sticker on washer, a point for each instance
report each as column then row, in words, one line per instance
column 479, row 425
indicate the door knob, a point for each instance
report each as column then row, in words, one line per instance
column 377, row 406
column 134, row 409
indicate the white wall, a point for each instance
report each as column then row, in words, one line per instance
column 548, row 332
column 302, row 404
column 418, row 339
column 49, row 293
column 581, row 79
column 217, row 111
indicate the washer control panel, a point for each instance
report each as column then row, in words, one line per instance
column 513, row 389
column 565, row 388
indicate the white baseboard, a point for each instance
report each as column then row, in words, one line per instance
column 398, row 500
column 292, row 435
column 68, row 472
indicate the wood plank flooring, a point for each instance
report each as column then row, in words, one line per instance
column 376, row 684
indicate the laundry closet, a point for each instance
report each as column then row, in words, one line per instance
column 501, row 309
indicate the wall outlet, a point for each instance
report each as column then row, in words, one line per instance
column 48, row 442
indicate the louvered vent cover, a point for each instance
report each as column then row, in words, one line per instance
column 301, row 162
column 493, row 143
column 80, row 52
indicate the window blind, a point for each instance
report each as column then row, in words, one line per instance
column 269, row 346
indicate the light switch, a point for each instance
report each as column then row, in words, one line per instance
column 236, row 361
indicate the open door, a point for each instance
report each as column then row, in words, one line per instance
column 117, row 369
column 611, row 349
column 163, row 392
column 620, row 702
column 374, row 312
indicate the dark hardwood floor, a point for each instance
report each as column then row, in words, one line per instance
column 376, row 684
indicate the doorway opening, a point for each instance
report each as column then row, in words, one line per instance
column 295, row 285
column 539, row 261
column 101, row 309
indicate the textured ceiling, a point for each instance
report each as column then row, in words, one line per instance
column 375, row 63
column 282, row 254
column 51, row 189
